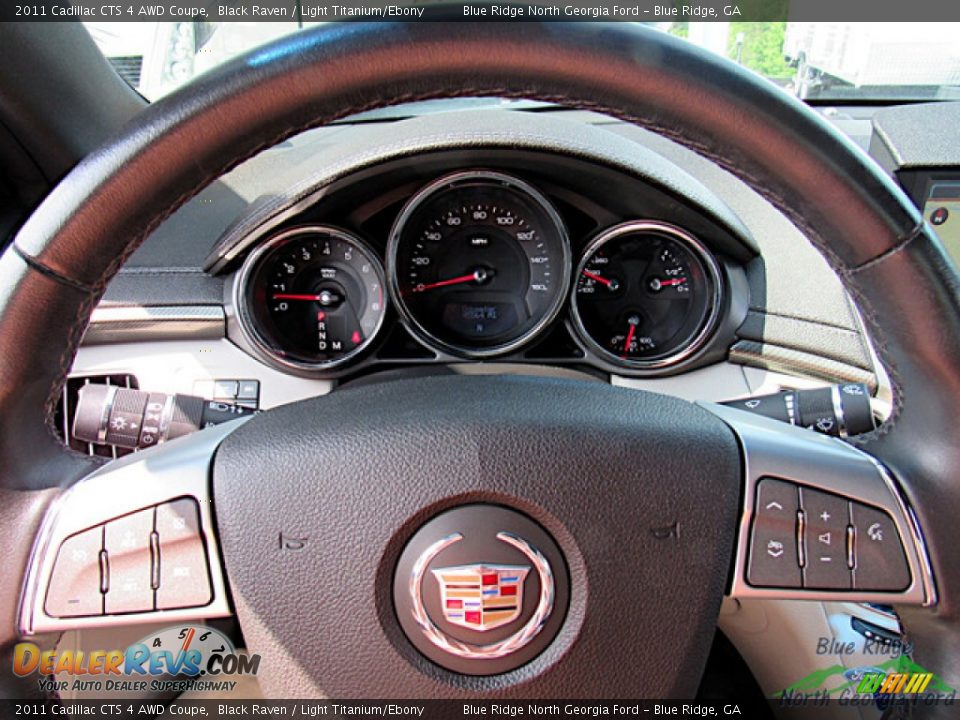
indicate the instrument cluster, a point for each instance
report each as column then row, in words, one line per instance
column 480, row 265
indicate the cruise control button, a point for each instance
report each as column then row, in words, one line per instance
column 184, row 580
column 74, row 589
column 879, row 562
column 127, row 542
column 825, row 540
column 773, row 547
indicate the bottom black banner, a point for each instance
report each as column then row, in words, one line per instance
column 122, row 710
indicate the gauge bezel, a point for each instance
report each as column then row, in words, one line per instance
column 248, row 322
column 393, row 244
column 699, row 250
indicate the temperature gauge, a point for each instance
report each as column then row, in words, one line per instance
column 646, row 294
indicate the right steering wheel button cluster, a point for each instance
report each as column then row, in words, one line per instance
column 811, row 539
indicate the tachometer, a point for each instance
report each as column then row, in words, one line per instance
column 311, row 298
column 478, row 263
column 647, row 294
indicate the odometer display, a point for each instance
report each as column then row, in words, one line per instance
column 478, row 263
column 646, row 295
column 312, row 297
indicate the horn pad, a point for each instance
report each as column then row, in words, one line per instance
column 325, row 506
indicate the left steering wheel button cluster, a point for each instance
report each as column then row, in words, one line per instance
column 152, row 559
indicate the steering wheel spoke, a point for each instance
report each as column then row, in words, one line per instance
column 133, row 542
column 822, row 520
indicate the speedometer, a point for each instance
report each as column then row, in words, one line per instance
column 478, row 263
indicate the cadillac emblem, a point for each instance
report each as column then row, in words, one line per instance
column 481, row 597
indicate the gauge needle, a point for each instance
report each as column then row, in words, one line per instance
column 602, row 280
column 626, row 343
column 474, row 276
column 295, row 296
column 325, row 297
column 656, row 284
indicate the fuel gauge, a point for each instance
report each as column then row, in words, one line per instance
column 646, row 294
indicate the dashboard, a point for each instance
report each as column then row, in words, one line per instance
column 509, row 261
column 748, row 305
column 764, row 310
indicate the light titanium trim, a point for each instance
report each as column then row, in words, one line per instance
column 248, row 323
column 180, row 468
column 775, row 449
column 503, row 647
column 916, row 533
column 393, row 246
column 700, row 252
column 144, row 323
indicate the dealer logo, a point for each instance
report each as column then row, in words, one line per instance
column 195, row 656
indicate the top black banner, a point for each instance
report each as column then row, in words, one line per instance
column 648, row 11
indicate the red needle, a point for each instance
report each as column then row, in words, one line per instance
column 186, row 643
column 443, row 283
column 594, row 276
column 626, row 343
column 675, row 281
column 294, row 296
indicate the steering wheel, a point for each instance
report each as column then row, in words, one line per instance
column 621, row 575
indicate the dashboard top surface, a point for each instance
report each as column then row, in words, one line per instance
column 796, row 303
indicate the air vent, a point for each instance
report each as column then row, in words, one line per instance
column 67, row 406
column 128, row 67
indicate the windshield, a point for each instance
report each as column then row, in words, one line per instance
column 827, row 61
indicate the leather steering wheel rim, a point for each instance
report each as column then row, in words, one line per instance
column 867, row 229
